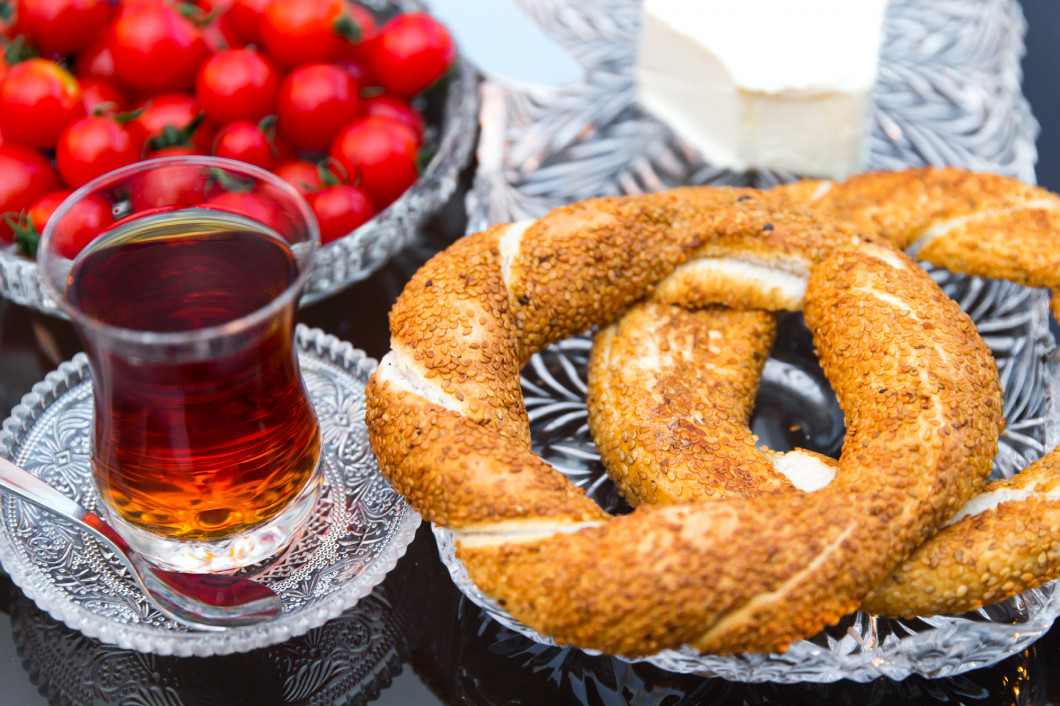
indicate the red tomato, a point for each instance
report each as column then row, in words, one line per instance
column 237, row 84
column 302, row 175
column 8, row 22
column 167, row 119
column 358, row 71
column 253, row 206
column 38, row 98
column 412, row 51
column 101, row 95
column 379, row 155
column 84, row 221
column 219, row 35
column 58, row 27
column 395, row 108
column 168, row 186
column 243, row 20
column 155, row 48
column 245, row 141
column 95, row 61
column 340, row 209
column 213, row 6
column 173, row 151
column 42, row 208
column 93, row 146
column 25, row 176
column 360, row 30
column 302, row 31
column 315, row 102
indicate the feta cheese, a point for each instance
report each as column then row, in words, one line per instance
column 764, row 84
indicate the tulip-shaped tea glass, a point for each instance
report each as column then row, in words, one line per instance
column 205, row 445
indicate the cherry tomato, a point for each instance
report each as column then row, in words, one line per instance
column 171, row 119
column 84, row 221
column 168, row 186
column 360, row 33
column 358, row 71
column 218, row 7
column 59, row 27
column 395, row 108
column 92, row 146
column 9, row 22
column 25, row 176
column 304, row 176
column 254, row 206
column 379, row 155
column 219, row 35
column 340, row 209
column 302, row 31
column 173, row 151
column 155, row 48
column 411, row 52
column 102, row 96
column 315, row 102
column 243, row 20
column 245, row 141
column 95, row 61
column 237, row 84
column 38, row 98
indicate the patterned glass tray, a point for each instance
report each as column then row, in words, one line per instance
column 348, row 660
column 359, row 529
column 948, row 93
column 452, row 114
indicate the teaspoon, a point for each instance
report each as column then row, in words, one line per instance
column 201, row 601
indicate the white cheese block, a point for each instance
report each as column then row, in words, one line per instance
column 764, row 84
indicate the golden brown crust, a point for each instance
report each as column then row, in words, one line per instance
column 902, row 205
column 453, row 324
column 670, row 396
column 984, row 557
column 460, row 474
column 915, row 381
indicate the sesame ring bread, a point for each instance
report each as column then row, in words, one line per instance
column 916, row 384
column 1003, row 542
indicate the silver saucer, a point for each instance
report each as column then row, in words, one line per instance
column 359, row 529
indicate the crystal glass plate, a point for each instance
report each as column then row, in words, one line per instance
column 796, row 407
column 348, row 660
column 358, row 531
column 451, row 112
column 948, row 93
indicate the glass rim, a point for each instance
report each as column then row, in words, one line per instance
column 306, row 258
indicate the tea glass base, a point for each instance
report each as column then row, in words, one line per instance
column 229, row 553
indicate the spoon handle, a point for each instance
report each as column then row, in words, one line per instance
column 202, row 602
column 29, row 487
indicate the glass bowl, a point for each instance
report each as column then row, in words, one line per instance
column 451, row 112
column 796, row 407
column 948, row 93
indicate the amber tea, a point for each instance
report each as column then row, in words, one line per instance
column 205, row 445
column 205, row 448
